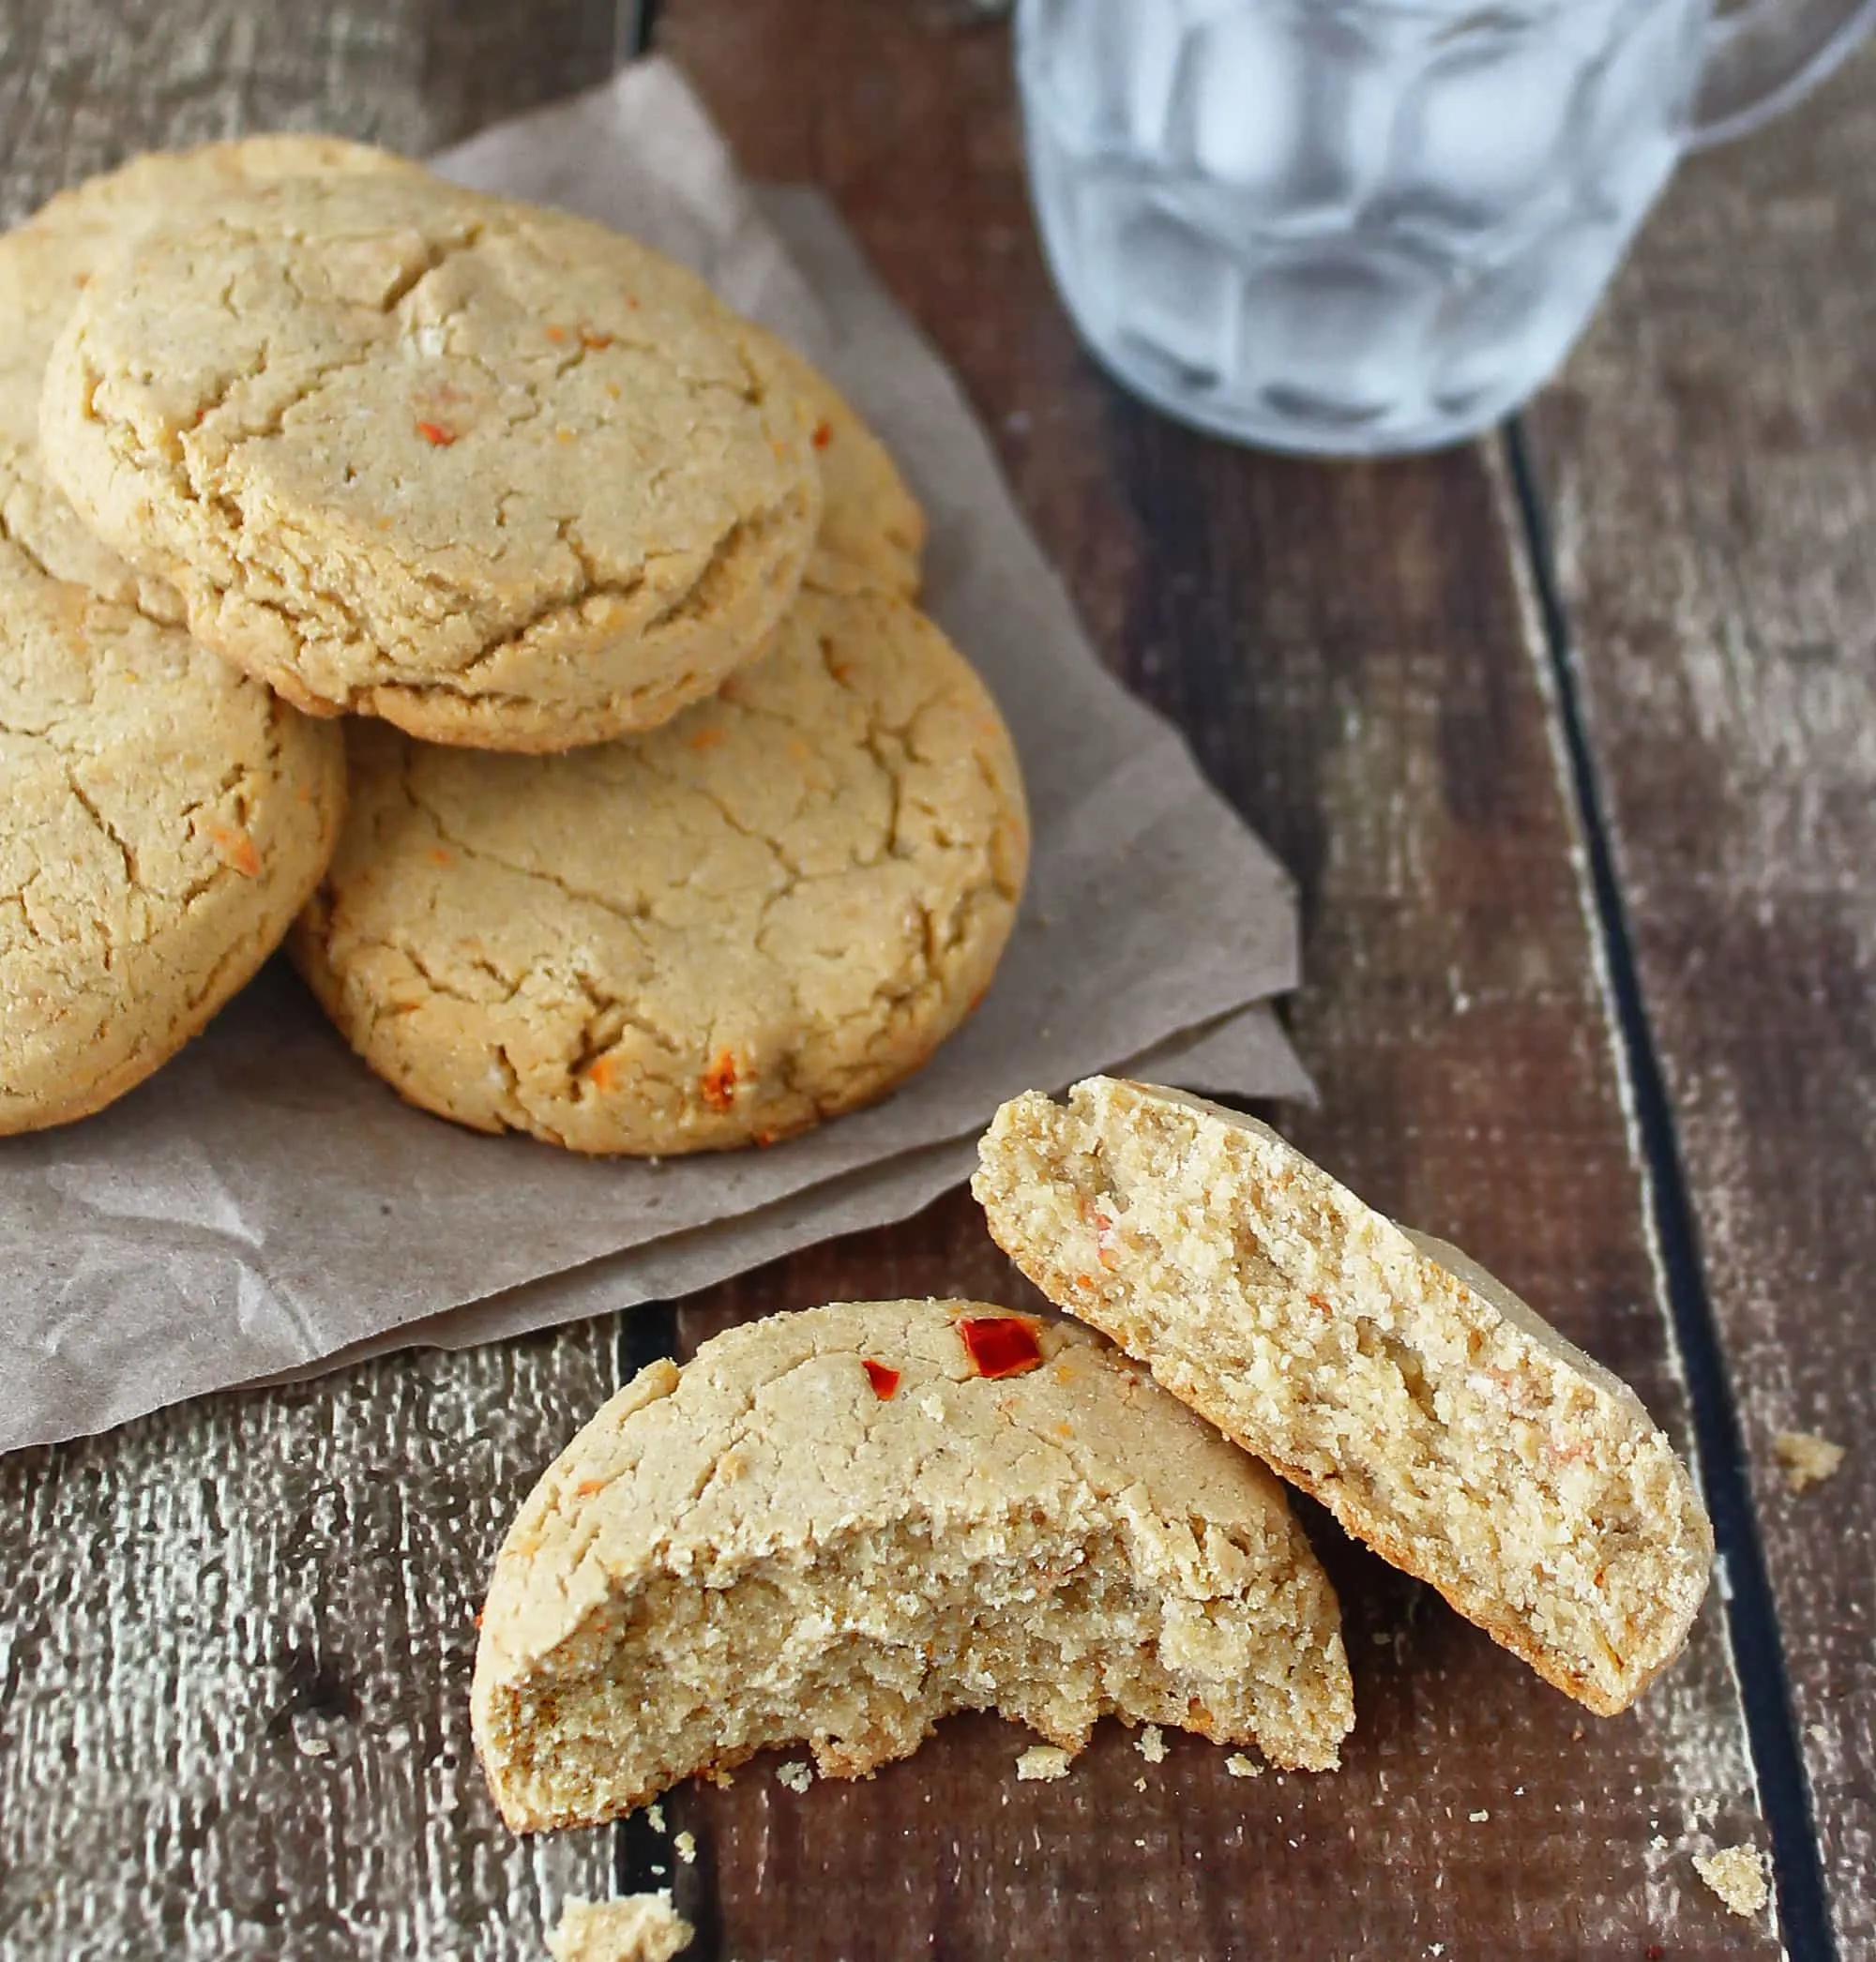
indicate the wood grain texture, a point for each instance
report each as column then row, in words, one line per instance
column 234, row 1639
column 1350, row 654
column 1711, row 457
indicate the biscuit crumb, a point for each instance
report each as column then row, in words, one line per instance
column 1806, row 1460
column 1043, row 1761
column 686, row 1844
column 794, row 1774
column 1239, row 1766
column 1479, row 1818
column 1737, row 1875
column 655, row 1813
column 1140, row 1785
column 637, row 1927
column 1151, row 1743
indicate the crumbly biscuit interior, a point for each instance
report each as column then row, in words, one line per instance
column 1494, row 1460
column 858, row 1648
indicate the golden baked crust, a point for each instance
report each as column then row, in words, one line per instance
column 873, row 531
column 164, row 817
column 494, row 474
column 45, row 267
column 831, row 1528
column 1432, row 1410
column 723, row 931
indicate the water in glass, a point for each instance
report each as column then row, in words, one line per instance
column 1346, row 226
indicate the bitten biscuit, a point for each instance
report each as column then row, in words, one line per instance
column 834, row 1528
column 721, row 932
column 497, row 475
column 1422, row 1402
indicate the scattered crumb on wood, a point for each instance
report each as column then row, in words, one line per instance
column 1479, row 1818
column 1140, row 1785
column 1806, row 1459
column 655, row 1813
column 1043, row 1761
column 637, row 1927
column 794, row 1774
column 686, row 1844
column 1151, row 1743
column 1239, row 1766
column 1737, row 1875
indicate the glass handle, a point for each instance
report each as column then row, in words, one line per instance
column 1763, row 56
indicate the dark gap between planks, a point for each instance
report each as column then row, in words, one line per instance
column 644, row 1860
column 1752, row 1620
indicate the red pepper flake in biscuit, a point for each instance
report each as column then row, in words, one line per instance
column 824, row 435
column 1000, row 1345
column 435, row 433
column 556, row 333
column 708, row 737
column 593, row 341
column 718, row 1083
column 884, row 1380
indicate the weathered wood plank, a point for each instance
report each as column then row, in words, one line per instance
column 235, row 1642
column 1349, row 650
column 1711, row 455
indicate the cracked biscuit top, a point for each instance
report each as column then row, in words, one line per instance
column 46, row 264
column 164, row 816
column 766, row 913
column 496, row 475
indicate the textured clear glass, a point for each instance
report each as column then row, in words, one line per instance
column 1346, row 226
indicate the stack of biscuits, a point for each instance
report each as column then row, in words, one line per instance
column 660, row 818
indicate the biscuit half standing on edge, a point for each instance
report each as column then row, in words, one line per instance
column 1432, row 1412
column 834, row 1528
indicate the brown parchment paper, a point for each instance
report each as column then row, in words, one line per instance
column 263, row 1206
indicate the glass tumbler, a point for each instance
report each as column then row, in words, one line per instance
column 1353, row 227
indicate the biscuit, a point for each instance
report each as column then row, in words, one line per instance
column 836, row 1527
column 635, row 1927
column 164, row 817
column 723, row 931
column 873, row 531
column 1432, row 1410
column 496, row 475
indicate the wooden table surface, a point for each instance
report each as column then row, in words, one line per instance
column 1570, row 741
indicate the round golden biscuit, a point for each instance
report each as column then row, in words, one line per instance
column 770, row 911
column 493, row 474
